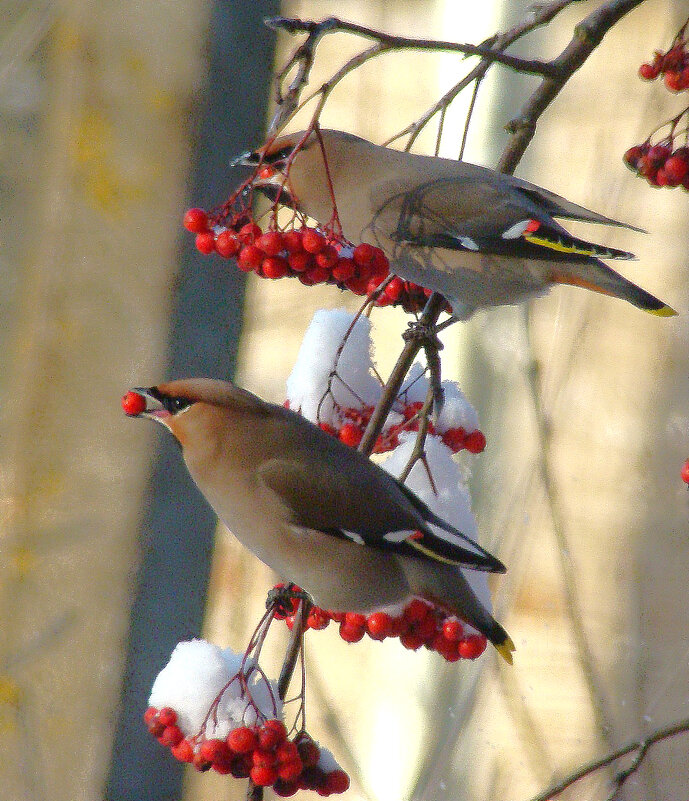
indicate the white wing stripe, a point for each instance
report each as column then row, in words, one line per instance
column 453, row 539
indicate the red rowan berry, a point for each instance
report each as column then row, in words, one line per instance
column 133, row 404
column 309, row 752
column 379, row 625
column 300, row 261
column 195, row 220
column 271, row 243
column 227, row 244
column 336, row 782
column 205, row 243
column 685, row 472
column 453, row 629
column 214, row 750
column 649, row 71
column 363, row 254
column 249, row 233
column 350, row 434
column 312, row 240
column 351, row 633
column 167, row 716
column 475, row 441
column 242, row 740
column 327, row 257
column 472, row 647
column 343, row 270
column 250, row 258
column 272, row 733
column 292, row 241
column 171, row 736
column 290, row 770
column 183, row 751
column 676, row 168
column 263, row 776
column 275, row 267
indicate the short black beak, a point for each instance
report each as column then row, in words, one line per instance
column 248, row 159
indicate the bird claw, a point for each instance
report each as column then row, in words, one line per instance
column 425, row 334
column 279, row 599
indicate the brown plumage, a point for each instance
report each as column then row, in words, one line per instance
column 478, row 237
column 319, row 513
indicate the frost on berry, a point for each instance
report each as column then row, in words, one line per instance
column 198, row 678
column 217, row 711
column 334, row 384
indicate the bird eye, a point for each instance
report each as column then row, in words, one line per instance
column 174, row 405
column 278, row 157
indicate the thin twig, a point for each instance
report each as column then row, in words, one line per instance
column 419, row 451
column 388, row 42
column 567, row 569
column 541, row 16
column 254, row 792
column 642, row 745
column 429, row 317
column 491, row 51
column 293, row 648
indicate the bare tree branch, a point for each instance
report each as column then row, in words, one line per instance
column 388, row 43
column 641, row 746
column 588, row 34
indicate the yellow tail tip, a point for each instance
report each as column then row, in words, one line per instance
column 505, row 649
column 663, row 311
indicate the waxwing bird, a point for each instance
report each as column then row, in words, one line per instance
column 319, row 513
column 478, row 237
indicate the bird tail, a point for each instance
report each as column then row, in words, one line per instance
column 599, row 277
column 446, row 587
column 502, row 642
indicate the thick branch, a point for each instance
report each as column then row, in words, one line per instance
column 588, row 34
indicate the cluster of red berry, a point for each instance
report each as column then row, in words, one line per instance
column 356, row 419
column 663, row 163
column 420, row 623
column 265, row 754
column 659, row 164
column 672, row 65
column 306, row 253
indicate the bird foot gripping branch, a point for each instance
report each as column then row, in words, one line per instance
column 290, row 248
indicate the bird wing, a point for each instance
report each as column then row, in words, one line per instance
column 471, row 213
column 557, row 206
column 369, row 507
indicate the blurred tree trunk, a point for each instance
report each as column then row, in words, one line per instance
column 179, row 527
column 98, row 307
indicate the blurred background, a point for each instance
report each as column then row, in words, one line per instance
column 114, row 118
